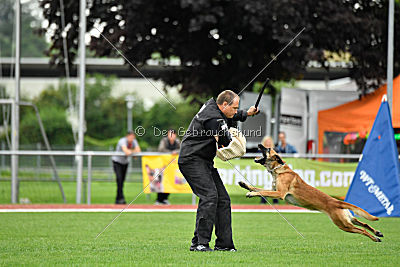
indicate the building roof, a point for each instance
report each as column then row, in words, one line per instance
column 40, row 67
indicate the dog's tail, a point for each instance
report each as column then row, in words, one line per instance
column 358, row 211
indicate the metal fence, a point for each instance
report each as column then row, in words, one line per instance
column 38, row 164
column 35, row 166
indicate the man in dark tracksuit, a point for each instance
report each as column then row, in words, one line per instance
column 196, row 162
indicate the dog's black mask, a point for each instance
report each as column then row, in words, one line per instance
column 264, row 152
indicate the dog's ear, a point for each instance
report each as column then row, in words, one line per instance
column 278, row 159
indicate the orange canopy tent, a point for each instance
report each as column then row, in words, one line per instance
column 358, row 115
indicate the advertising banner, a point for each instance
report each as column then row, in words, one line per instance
column 331, row 178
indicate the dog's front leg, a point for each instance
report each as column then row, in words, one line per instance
column 265, row 193
column 249, row 187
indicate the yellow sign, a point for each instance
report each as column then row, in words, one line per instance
column 168, row 179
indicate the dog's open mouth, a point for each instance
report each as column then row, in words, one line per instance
column 261, row 159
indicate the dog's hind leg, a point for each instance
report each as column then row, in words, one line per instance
column 343, row 220
column 357, row 230
column 366, row 226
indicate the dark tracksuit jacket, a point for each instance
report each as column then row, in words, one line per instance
column 196, row 162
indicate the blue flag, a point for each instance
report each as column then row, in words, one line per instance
column 376, row 182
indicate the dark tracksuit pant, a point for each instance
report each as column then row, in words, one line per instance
column 120, row 173
column 214, row 204
column 161, row 197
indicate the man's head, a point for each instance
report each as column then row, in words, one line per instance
column 228, row 103
column 130, row 135
column 171, row 135
column 282, row 138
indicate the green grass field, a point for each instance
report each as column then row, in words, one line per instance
column 163, row 239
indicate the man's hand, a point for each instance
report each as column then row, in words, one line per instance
column 252, row 111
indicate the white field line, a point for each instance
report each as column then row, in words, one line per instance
column 151, row 210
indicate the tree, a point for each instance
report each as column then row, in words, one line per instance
column 223, row 44
column 32, row 45
column 161, row 117
column 105, row 116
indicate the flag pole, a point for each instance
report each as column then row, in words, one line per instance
column 389, row 75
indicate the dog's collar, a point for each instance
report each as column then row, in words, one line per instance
column 277, row 167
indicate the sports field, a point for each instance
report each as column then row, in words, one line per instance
column 163, row 239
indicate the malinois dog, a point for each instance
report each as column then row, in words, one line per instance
column 290, row 187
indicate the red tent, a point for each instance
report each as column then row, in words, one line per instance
column 358, row 115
